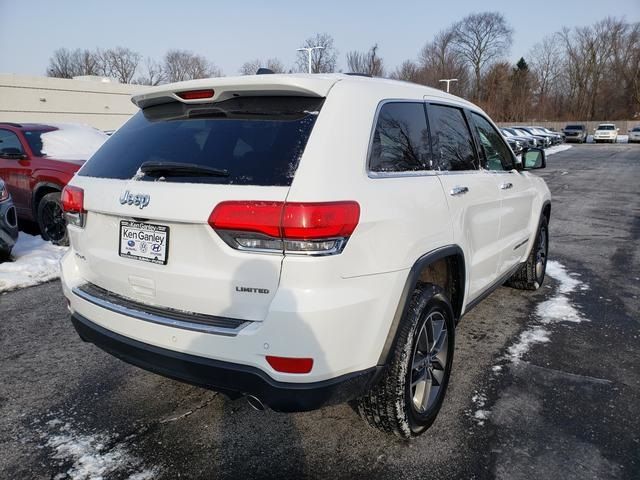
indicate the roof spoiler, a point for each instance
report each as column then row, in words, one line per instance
column 220, row 89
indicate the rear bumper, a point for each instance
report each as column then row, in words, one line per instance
column 229, row 378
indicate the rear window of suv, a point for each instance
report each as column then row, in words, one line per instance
column 254, row 140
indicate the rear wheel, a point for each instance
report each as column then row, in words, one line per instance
column 408, row 397
column 53, row 226
column 531, row 274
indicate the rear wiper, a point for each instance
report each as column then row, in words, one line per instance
column 177, row 169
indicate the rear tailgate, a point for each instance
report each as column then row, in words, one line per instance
column 251, row 147
column 202, row 273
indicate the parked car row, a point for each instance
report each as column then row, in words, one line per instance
column 605, row 132
column 520, row 137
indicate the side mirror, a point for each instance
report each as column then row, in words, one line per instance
column 12, row 153
column 533, row 158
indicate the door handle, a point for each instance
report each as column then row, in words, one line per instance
column 506, row 186
column 458, row 191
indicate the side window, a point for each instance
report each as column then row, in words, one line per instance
column 9, row 142
column 497, row 153
column 451, row 139
column 401, row 139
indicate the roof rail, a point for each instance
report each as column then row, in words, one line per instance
column 358, row 74
column 11, row 124
column 264, row 71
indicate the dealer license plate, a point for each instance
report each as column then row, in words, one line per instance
column 144, row 241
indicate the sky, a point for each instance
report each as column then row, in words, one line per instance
column 230, row 33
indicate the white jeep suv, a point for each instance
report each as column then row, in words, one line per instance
column 301, row 240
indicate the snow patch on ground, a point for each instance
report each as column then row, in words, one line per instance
column 526, row 340
column 556, row 309
column 557, row 148
column 93, row 457
column 35, row 261
column 480, row 414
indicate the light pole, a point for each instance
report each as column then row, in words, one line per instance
column 309, row 50
column 448, row 81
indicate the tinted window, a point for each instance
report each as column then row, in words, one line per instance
column 606, row 127
column 497, row 154
column 257, row 140
column 451, row 139
column 401, row 139
column 34, row 139
column 574, row 127
column 9, row 142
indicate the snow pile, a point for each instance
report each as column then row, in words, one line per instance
column 35, row 261
column 72, row 142
column 94, row 457
column 557, row 149
column 556, row 309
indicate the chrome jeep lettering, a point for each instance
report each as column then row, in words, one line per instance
column 140, row 200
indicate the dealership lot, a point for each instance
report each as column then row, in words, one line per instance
column 543, row 382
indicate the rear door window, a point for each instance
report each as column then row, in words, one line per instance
column 453, row 147
column 400, row 140
column 255, row 140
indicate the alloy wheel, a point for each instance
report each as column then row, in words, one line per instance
column 428, row 366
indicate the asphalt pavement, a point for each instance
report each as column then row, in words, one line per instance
column 545, row 384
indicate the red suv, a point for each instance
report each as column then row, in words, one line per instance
column 36, row 162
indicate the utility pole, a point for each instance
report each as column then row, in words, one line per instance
column 309, row 50
column 448, row 81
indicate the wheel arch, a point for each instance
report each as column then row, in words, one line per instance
column 428, row 267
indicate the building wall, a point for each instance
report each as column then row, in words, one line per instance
column 105, row 106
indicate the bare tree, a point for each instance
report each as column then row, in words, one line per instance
column 546, row 67
column 366, row 62
column 180, row 65
column 322, row 60
column 409, row 71
column 153, row 73
column 119, row 63
column 273, row 64
column 439, row 60
column 65, row 63
column 480, row 39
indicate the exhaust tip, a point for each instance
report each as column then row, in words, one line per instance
column 255, row 403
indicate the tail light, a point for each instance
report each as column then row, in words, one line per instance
column 72, row 199
column 294, row 228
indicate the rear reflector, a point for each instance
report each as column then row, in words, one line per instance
column 195, row 94
column 72, row 199
column 307, row 228
column 290, row 365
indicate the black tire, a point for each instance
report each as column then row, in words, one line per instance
column 53, row 226
column 531, row 274
column 390, row 405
